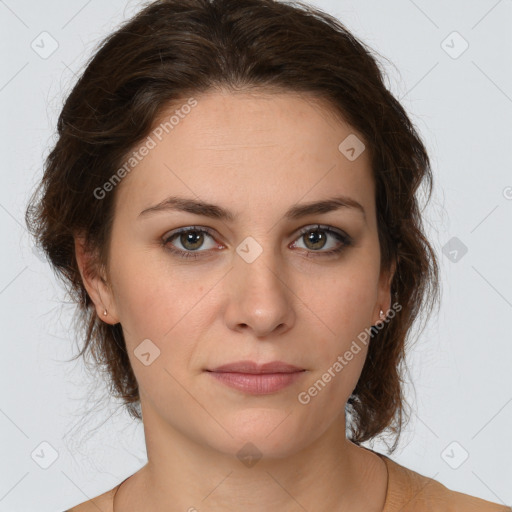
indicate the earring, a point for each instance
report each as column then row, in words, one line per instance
column 105, row 312
column 381, row 312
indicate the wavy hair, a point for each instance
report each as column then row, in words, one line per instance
column 172, row 49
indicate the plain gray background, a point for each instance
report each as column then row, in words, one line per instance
column 459, row 98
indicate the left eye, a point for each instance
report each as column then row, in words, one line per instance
column 192, row 239
column 317, row 238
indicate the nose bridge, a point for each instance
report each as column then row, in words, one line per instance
column 260, row 297
column 258, row 265
column 259, row 259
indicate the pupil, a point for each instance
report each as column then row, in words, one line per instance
column 189, row 239
column 316, row 235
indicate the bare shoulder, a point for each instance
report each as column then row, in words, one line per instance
column 407, row 487
column 102, row 503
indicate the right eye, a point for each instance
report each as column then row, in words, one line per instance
column 190, row 238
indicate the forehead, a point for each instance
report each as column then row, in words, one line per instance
column 257, row 146
column 224, row 119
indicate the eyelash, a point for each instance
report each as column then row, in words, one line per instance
column 342, row 237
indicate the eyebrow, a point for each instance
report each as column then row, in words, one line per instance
column 297, row 211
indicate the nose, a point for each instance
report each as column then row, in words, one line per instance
column 260, row 299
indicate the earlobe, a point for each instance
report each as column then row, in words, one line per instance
column 95, row 282
column 384, row 301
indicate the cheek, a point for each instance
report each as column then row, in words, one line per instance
column 340, row 360
column 153, row 303
column 140, row 304
column 151, row 308
column 144, row 288
column 344, row 315
column 346, row 305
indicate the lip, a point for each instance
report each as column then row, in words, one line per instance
column 251, row 367
column 257, row 379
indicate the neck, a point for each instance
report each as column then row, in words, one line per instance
column 183, row 473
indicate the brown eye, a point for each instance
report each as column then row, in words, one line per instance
column 317, row 238
column 190, row 240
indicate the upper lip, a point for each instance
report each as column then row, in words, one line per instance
column 255, row 368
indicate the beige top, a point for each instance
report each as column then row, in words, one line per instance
column 407, row 491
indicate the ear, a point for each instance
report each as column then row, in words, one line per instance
column 384, row 293
column 95, row 281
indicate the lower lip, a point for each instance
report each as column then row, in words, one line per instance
column 257, row 384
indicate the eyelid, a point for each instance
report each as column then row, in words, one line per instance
column 324, row 227
column 185, row 229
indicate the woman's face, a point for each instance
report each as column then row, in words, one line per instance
column 253, row 288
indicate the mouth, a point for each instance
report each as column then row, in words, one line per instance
column 257, row 379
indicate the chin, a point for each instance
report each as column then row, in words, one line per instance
column 269, row 433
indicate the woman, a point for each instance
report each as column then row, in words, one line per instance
column 232, row 200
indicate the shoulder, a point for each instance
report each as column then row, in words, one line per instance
column 407, row 488
column 102, row 502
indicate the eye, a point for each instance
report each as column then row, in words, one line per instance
column 316, row 238
column 190, row 238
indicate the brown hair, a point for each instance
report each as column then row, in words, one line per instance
column 177, row 48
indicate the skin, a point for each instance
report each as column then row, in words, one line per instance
column 257, row 155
